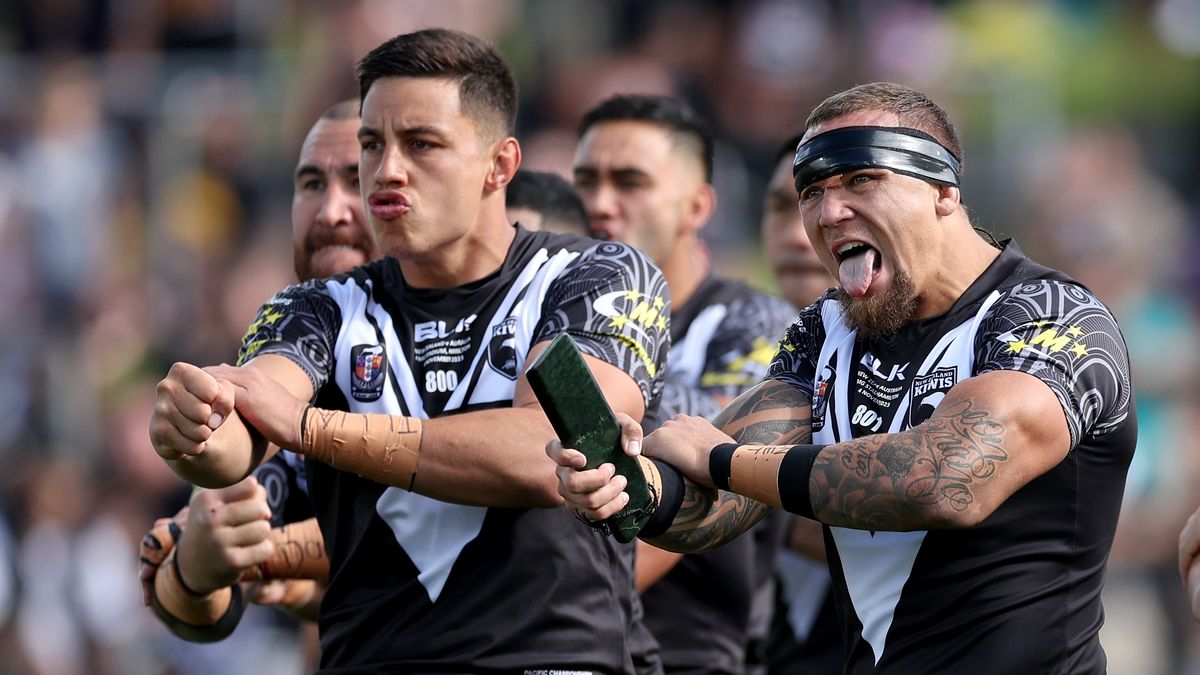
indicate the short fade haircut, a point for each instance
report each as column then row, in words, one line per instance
column 342, row 110
column 548, row 194
column 487, row 89
column 914, row 108
column 684, row 124
column 788, row 149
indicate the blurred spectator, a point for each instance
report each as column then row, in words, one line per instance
column 1100, row 215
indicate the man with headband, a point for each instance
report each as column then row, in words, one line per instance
column 958, row 417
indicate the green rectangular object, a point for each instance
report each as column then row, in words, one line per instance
column 584, row 421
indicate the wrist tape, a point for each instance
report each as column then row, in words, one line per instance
column 775, row 475
column 299, row 554
column 383, row 448
column 196, row 618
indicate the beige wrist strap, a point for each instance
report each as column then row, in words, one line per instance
column 653, row 478
column 184, row 605
column 299, row 554
column 383, row 448
column 754, row 472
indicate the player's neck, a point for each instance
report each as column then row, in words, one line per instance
column 969, row 256
column 684, row 269
column 472, row 257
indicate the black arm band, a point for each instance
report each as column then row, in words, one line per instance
column 214, row 633
column 720, row 464
column 794, row 473
column 668, row 505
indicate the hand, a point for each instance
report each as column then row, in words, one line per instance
column 1189, row 563
column 190, row 406
column 594, row 494
column 685, row 443
column 227, row 532
column 263, row 403
column 153, row 550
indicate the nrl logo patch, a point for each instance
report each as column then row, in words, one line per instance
column 368, row 365
column 928, row 392
column 502, row 349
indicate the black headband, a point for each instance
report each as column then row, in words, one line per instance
column 899, row 149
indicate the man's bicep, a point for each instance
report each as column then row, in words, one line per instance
column 1008, row 421
column 769, row 413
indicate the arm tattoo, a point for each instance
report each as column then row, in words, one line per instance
column 772, row 413
column 709, row 517
column 924, row 477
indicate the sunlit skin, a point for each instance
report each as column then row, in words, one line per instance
column 641, row 188
column 798, row 271
column 915, row 226
column 330, row 233
column 424, row 163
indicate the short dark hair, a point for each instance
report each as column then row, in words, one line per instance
column 548, row 194
column 487, row 89
column 788, row 149
column 676, row 116
column 347, row 109
column 914, row 108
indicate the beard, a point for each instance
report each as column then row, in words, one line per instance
column 881, row 314
column 304, row 257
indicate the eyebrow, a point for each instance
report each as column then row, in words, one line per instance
column 623, row 172
column 427, row 129
column 308, row 170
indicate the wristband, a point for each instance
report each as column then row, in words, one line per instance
column 669, row 500
column 794, row 474
column 196, row 618
column 720, row 464
column 382, row 448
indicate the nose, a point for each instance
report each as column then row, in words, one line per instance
column 834, row 208
column 600, row 202
column 392, row 171
column 337, row 207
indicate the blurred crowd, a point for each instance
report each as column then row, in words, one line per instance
column 146, row 150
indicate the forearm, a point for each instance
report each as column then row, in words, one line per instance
column 489, row 458
column 482, row 458
column 708, row 518
column 771, row 412
column 230, row 454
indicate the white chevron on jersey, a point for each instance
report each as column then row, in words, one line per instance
column 434, row 533
column 876, row 565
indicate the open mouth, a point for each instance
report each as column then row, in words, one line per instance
column 858, row 266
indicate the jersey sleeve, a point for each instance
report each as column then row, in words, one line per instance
column 283, row 477
column 301, row 323
column 744, row 344
column 1062, row 334
column 795, row 360
column 614, row 302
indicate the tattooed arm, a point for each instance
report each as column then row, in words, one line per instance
column 991, row 435
column 770, row 413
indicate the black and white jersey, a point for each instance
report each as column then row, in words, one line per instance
column 1020, row 592
column 420, row 585
column 722, row 341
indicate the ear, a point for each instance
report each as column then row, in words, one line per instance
column 506, row 158
column 699, row 208
column 949, row 200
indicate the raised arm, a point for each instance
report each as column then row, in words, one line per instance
column 990, row 436
column 486, row 457
column 197, row 430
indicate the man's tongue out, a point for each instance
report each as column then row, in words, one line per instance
column 857, row 271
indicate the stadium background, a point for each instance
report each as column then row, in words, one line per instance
column 146, row 148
